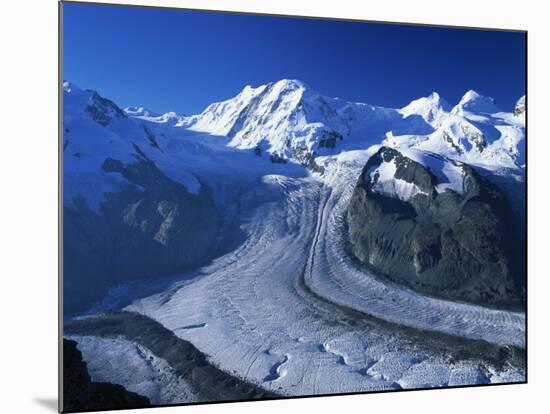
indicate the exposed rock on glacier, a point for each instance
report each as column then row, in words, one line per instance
column 437, row 226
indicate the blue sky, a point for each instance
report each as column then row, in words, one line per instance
column 178, row 60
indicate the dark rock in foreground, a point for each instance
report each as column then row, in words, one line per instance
column 80, row 393
column 208, row 381
column 459, row 245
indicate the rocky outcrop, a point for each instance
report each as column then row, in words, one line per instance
column 520, row 106
column 458, row 241
column 81, row 393
column 103, row 110
column 208, row 382
column 155, row 226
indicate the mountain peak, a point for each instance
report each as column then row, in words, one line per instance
column 290, row 84
column 471, row 95
column 70, row 87
column 279, row 86
column 472, row 101
column 430, row 108
column 439, row 101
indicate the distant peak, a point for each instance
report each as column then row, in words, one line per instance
column 473, row 101
column 290, row 84
column 70, row 87
column 474, row 96
column 429, row 107
column 438, row 100
column 279, row 87
column 433, row 99
column 139, row 111
column 471, row 95
column 280, row 84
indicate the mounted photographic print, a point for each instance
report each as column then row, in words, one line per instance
column 259, row 206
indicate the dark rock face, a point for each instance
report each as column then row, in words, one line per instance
column 80, row 393
column 103, row 110
column 464, row 247
column 277, row 159
column 153, row 227
column 329, row 139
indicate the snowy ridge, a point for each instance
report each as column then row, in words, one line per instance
column 472, row 101
column 138, row 111
column 288, row 118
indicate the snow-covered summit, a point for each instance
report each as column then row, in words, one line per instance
column 473, row 101
column 69, row 87
column 291, row 120
column 278, row 116
column 228, row 117
column 432, row 108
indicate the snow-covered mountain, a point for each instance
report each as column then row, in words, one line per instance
column 213, row 223
column 477, row 132
column 433, row 109
column 290, row 121
column 277, row 128
column 286, row 122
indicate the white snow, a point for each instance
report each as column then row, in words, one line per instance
column 139, row 111
column 472, row 101
column 433, row 109
column 387, row 184
column 119, row 361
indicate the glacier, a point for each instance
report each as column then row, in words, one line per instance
column 284, row 306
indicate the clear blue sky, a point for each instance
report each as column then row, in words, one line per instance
column 178, row 60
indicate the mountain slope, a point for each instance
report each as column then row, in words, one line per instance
column 437, row 226
column 475, row 131
column 128, row 214
column 290, row 120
